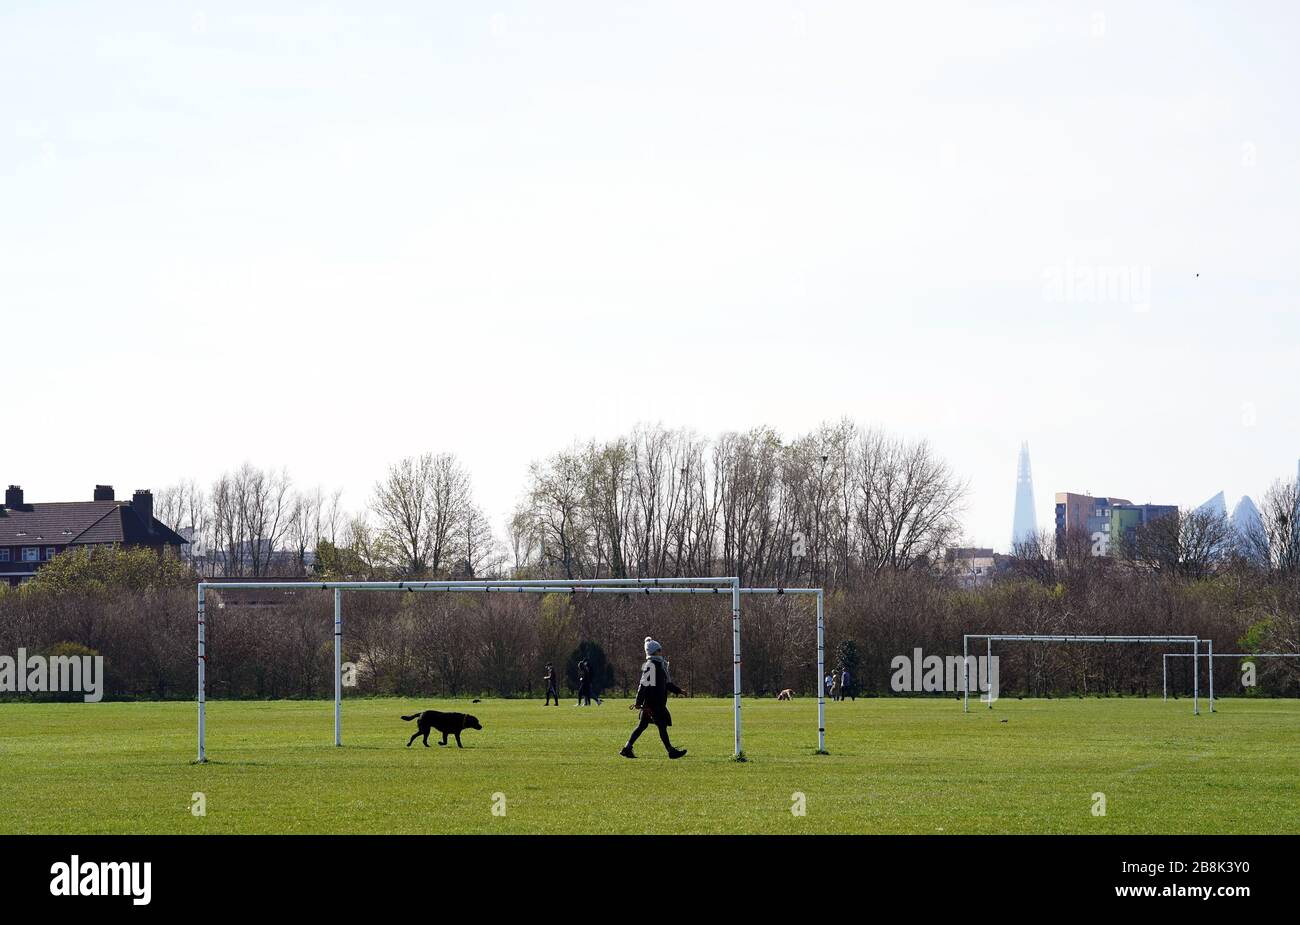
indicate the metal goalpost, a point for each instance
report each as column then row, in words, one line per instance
column 1212, row 655
column 710, row 585
column 989, row 638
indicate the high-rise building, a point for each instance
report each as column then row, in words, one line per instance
column 1215, row 507
column 1084, row 515
column 1246, row 526
column 1126, row 518
column 1025, row 521
column 1105, row 522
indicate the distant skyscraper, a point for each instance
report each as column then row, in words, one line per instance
column 1025, row 523
column 1215, row 507
column 1248, row 525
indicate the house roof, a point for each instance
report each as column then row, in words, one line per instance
column 81, row 523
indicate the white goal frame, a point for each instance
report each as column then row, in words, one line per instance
column 989, row 638
column 709, row 585
column 1212, row 655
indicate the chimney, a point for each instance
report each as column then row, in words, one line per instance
column 14, row 497
column 104, row 493
column 142, row 502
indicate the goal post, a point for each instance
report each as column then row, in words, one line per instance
column 990, row 638
column 736, row 592
column 1211, row 655
column 649, row 586
column 821, row 651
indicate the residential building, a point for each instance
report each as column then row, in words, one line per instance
column 31, row 534
column 1125, row 519
column 970, row 565
column 1106, row 522
column 1087, row 516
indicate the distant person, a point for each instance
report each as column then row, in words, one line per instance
column 826, row 686
column 552, row 690
column 846, row 684
column 584, row 684
column 835, row 685
column 652, row 700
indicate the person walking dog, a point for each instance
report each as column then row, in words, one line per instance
column 652, row 700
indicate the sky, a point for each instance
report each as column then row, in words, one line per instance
column 328, row 236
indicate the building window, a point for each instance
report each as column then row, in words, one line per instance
column 31, row 554
column 4, row 555
column 49, row 553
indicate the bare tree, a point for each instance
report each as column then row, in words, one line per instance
column 908, row 502
column 181, row 506
column 422, row 505
column 556, row 507
column 365, row 554
column 402, row 505
column 1034, row 557
column 477, row 550
column 525, row 546
column 1275, row 540
column 1191, row 542
column 304, row 525
column 185, row 508
column 451, row 505
column 252, row 513
column 265, row 502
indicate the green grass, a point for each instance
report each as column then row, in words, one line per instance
column 895, row 765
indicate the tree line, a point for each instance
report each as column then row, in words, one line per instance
column 861, row 513
column 138, row 611
column 821, row 509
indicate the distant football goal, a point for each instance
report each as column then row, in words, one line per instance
column 1211, row 655
column 730, row 587
column 989, row 638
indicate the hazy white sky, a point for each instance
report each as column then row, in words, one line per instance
column 331, row 235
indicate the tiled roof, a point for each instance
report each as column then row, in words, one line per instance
column 71, row 523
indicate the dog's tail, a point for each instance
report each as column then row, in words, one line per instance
column 411, row 717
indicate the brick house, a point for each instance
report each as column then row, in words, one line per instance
column 33, row 534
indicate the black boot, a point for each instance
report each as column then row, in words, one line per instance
column 626, row 752
column 676, row 753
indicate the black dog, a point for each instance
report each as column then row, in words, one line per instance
column 452, row 724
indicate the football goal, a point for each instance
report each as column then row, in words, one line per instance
column 650, row 586
column 1212, row 655
column 990, row 638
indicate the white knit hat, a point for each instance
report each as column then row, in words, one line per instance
column 651, row 647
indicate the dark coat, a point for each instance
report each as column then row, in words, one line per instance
column 652, row 693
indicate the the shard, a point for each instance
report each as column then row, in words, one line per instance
column 1025, row 523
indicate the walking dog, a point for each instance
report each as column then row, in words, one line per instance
column 452, row 724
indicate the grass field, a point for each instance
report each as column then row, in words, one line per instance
column 896, row 766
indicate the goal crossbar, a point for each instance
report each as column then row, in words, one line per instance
column 675, row 585
column 990, row 638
